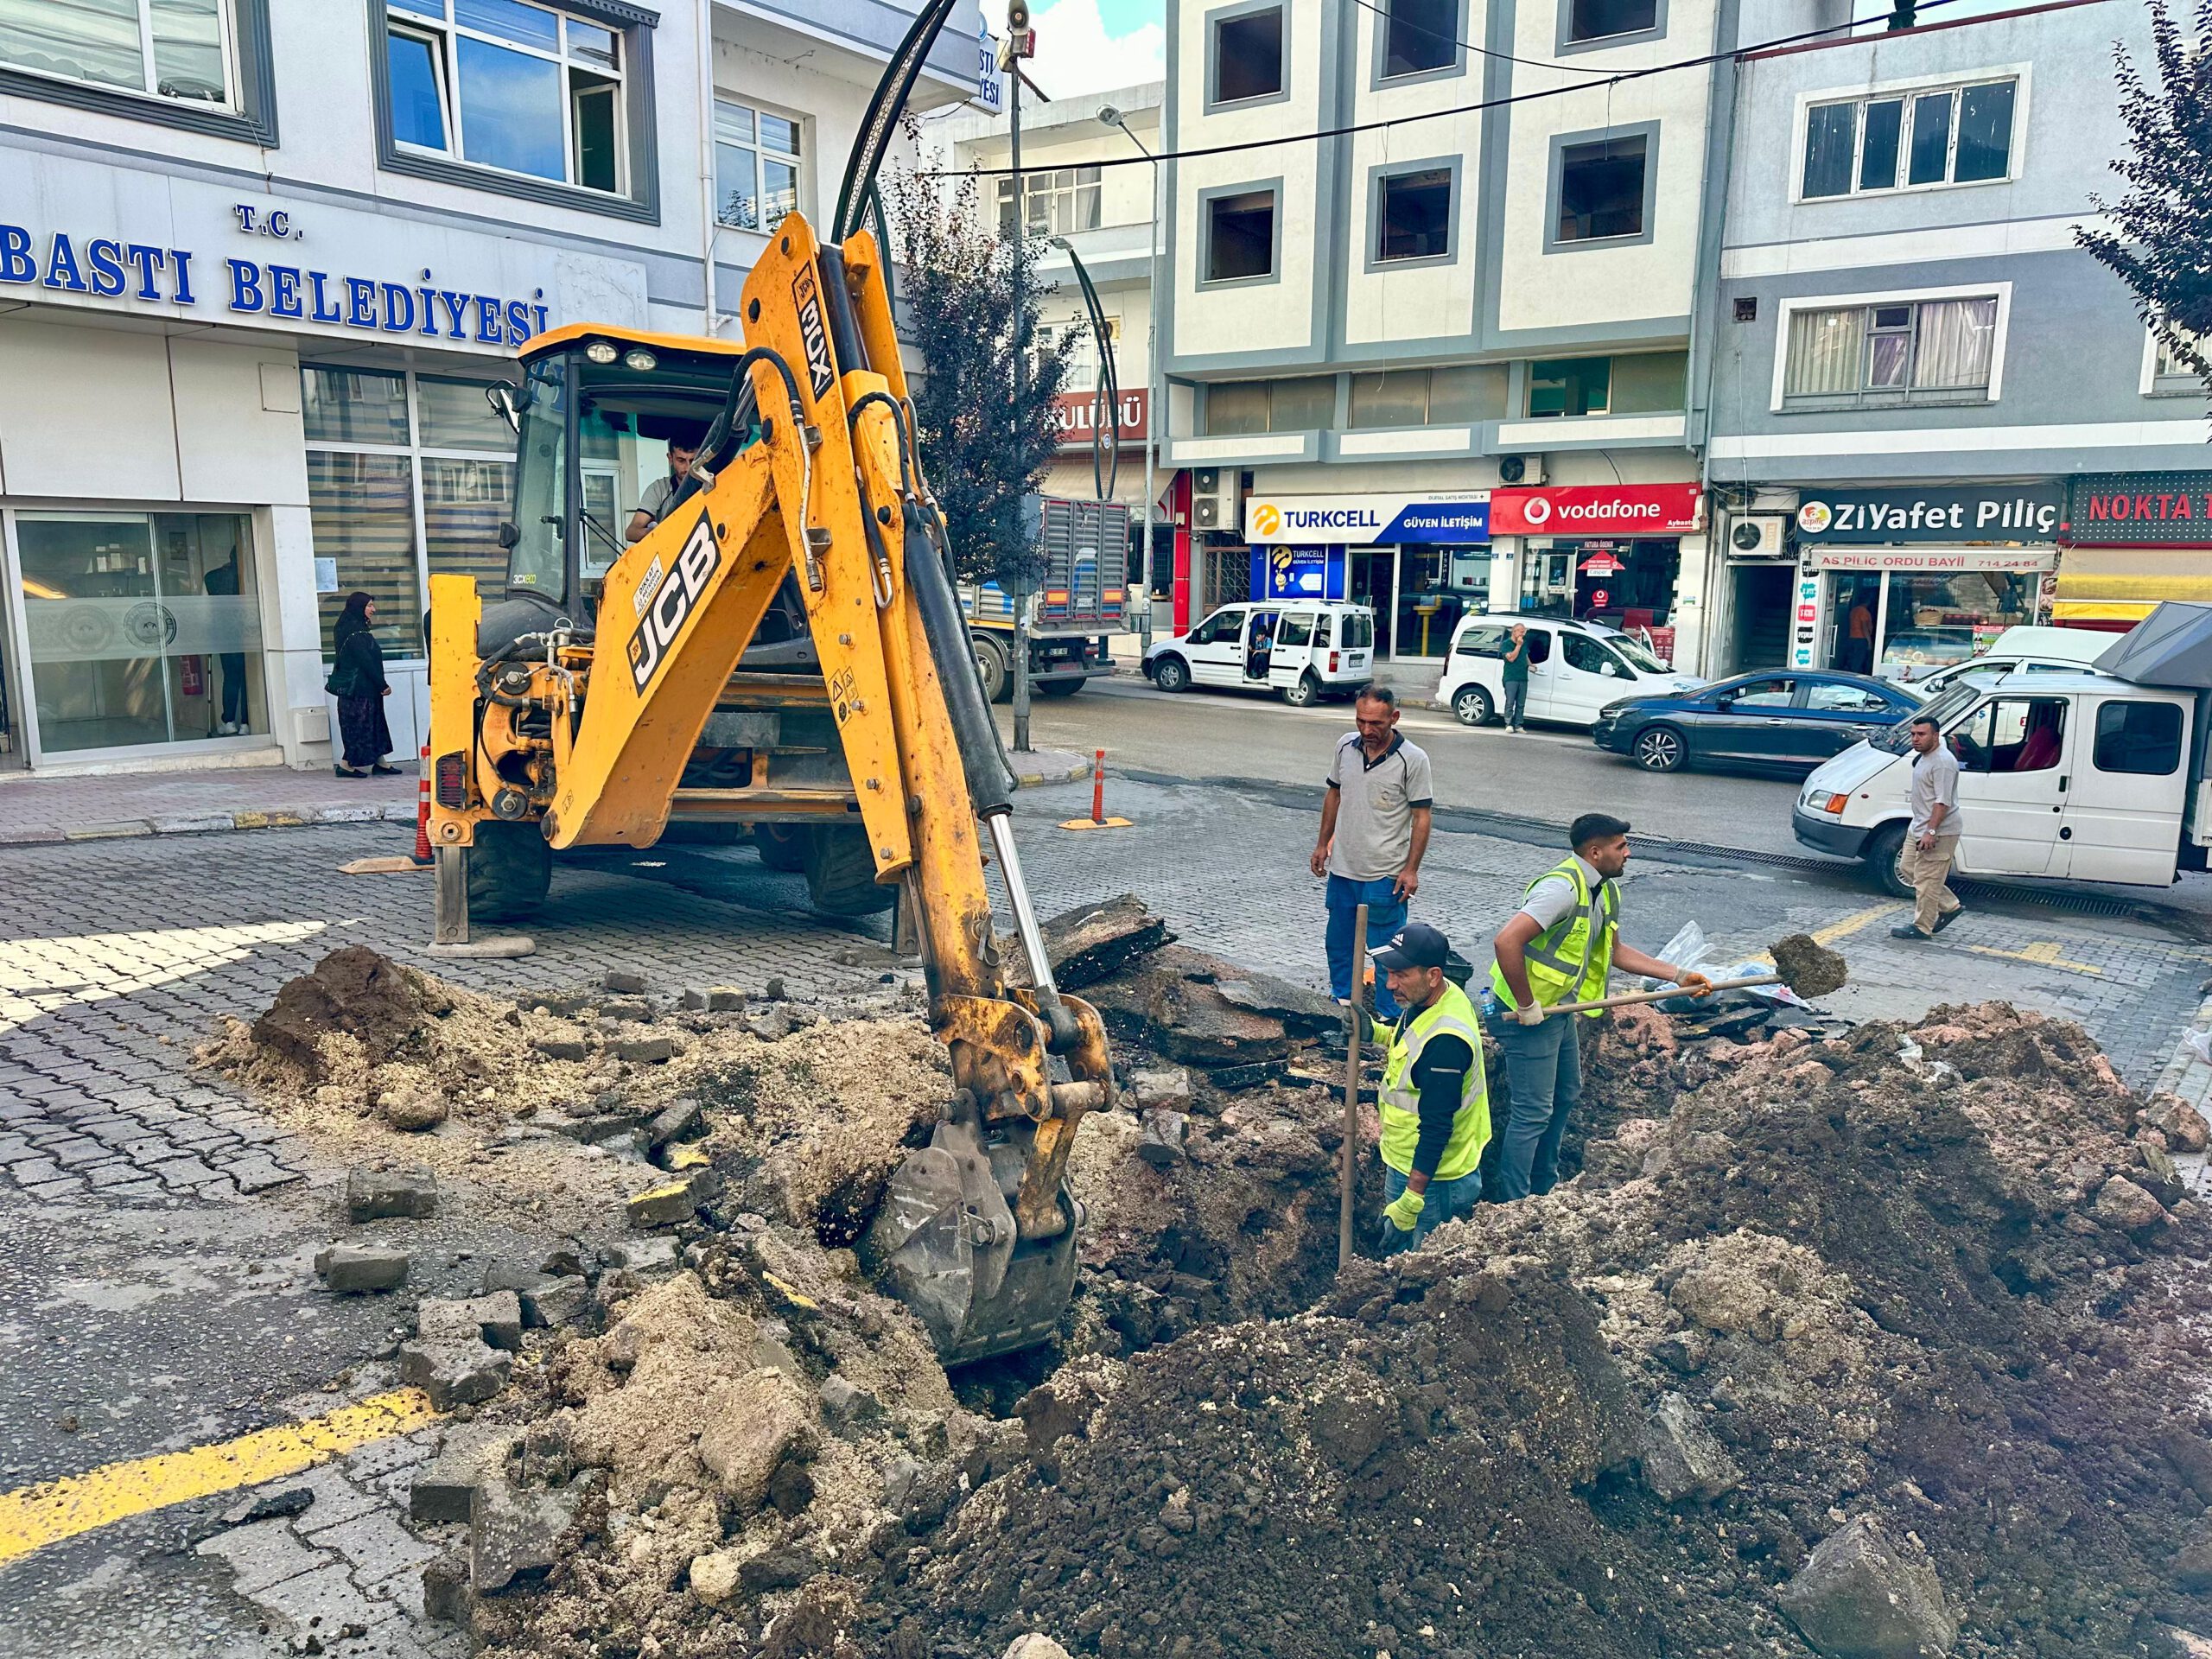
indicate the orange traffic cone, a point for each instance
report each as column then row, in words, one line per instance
column 422, row 853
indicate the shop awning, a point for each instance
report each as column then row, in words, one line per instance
column 2173, row 648
column 2102, row 584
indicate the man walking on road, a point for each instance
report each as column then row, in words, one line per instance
column 1514, row 677
column 1374, row 833
column 1434, row 1102
column 1931, row 840
column 1558, row 947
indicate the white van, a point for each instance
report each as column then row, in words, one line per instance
column 2081, row 775
column 1574, row 670
column 1307, row 650
column 2032, row 650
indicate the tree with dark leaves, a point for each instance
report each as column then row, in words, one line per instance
column 957, row 288
column 2161, row 241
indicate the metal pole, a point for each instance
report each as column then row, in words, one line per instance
column 1152, row 412
column 1347, row 1154
column 1021, row 595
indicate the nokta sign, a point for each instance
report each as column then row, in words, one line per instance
column 1989, row 513
column 2138, row 510
column 1596, row 510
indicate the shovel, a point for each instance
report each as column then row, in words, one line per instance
column 1800, row 964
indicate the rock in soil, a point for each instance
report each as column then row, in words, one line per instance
column 1862, row 1596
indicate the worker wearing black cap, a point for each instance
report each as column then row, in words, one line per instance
column 1434, row 1102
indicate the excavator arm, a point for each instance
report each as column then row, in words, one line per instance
column 978, row 1230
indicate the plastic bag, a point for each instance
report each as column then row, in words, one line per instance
column 1690, row 948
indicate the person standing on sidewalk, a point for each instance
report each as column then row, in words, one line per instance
column 1558, row 947
column 357, row 680
column 1374, row 832
column 1931, row 840
column 1515, row 676
column 1434, row 1102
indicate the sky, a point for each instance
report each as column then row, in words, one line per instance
column 1094, row 46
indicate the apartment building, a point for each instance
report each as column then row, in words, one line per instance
column 260, row 260
column 1106, row 218
column 1932, row 415
column 1440, row 359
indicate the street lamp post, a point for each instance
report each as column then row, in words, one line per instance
column 1113, row 117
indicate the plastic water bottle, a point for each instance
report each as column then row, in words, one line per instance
column 1489, row 1003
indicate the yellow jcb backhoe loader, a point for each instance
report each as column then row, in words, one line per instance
column 603, row 698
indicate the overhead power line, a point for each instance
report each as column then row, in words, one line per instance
column 1616, row 78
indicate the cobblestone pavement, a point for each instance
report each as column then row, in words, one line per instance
column 155, row 1286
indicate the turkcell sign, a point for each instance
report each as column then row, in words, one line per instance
column 1457, row 517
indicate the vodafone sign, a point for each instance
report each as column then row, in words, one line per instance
column 1597, row 509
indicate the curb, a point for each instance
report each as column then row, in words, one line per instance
column 273, row 817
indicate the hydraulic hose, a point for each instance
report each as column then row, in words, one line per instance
column 946, row 630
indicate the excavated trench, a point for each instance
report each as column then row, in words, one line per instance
column 1881, row 1341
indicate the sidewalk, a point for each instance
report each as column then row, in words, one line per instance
column 34, row 810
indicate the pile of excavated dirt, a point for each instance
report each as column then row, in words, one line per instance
column 1934, row 1279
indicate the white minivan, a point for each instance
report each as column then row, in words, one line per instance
column 2082, row 775
column 1574, row 670
column 2034, row 650
column 1305, row 649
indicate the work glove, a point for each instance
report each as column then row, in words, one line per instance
column 1403, row 1211
column 1531, row 1015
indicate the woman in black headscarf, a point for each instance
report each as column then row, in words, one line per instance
column 357, row 680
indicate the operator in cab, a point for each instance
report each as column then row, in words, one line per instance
column 660, row 494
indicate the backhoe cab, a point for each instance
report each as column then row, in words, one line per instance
column 780, row 654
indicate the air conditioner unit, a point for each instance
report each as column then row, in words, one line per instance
column 1521, row 470
column 1759, row 536
column 1211, row 508
column 1208, row 512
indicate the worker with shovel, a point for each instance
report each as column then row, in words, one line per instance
column 1434, row 1102
column 1558, row 948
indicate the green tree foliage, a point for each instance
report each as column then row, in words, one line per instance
column 2160, row 243
column 956, row 286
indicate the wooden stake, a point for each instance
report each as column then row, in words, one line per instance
column 1348, row 1159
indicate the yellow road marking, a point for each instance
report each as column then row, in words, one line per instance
column 45, row 1514
column 2043, row 955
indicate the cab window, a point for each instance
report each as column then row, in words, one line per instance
column 1775, row 693
column 1488, row 641
column 2141, row 738
column 1294, row 630
column 1220, row 627
column 2012, row 734
column 1845, row 700
column 1356, row 630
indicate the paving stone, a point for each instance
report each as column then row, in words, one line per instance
column 463, row 1372
column 347, row 1268
column 374, row 1194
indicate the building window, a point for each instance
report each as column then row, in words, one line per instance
column 508, row 85
column 144, row 627
column 2177, row 363
column 1234, row 408
column 407, row 475
column 1420, row 36
column 1414, row 215
column 1400, row 397
column 1598, row 20
column 1953, row 135
column 1568, row 386
column 201, row 65
column 756, row 166
column 1247, row 56
column 1062, row 200
column 1601, row 188
column 552, row 103
column 1923, row 351
column 1082, row 352
column 1240, row 236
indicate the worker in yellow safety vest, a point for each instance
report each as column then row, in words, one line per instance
column 1434, row 1102
column 1558, row 948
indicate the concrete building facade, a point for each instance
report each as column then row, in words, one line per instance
column 260, row 260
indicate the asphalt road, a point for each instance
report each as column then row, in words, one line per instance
column 1547, row 776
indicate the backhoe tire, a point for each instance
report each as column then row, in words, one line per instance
column 841, row 872
column 783, row 846
column 510, row 867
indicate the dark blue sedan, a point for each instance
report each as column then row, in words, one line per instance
column 1795, row 717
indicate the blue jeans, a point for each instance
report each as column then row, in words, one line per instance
column 1543, row 1070
column 1386, row 914
column 1517, row 699
column 1445, row 1201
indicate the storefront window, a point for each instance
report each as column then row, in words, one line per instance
column 1428, row 607
column 144, row 627
column 1930, row 620
column 402, row 482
